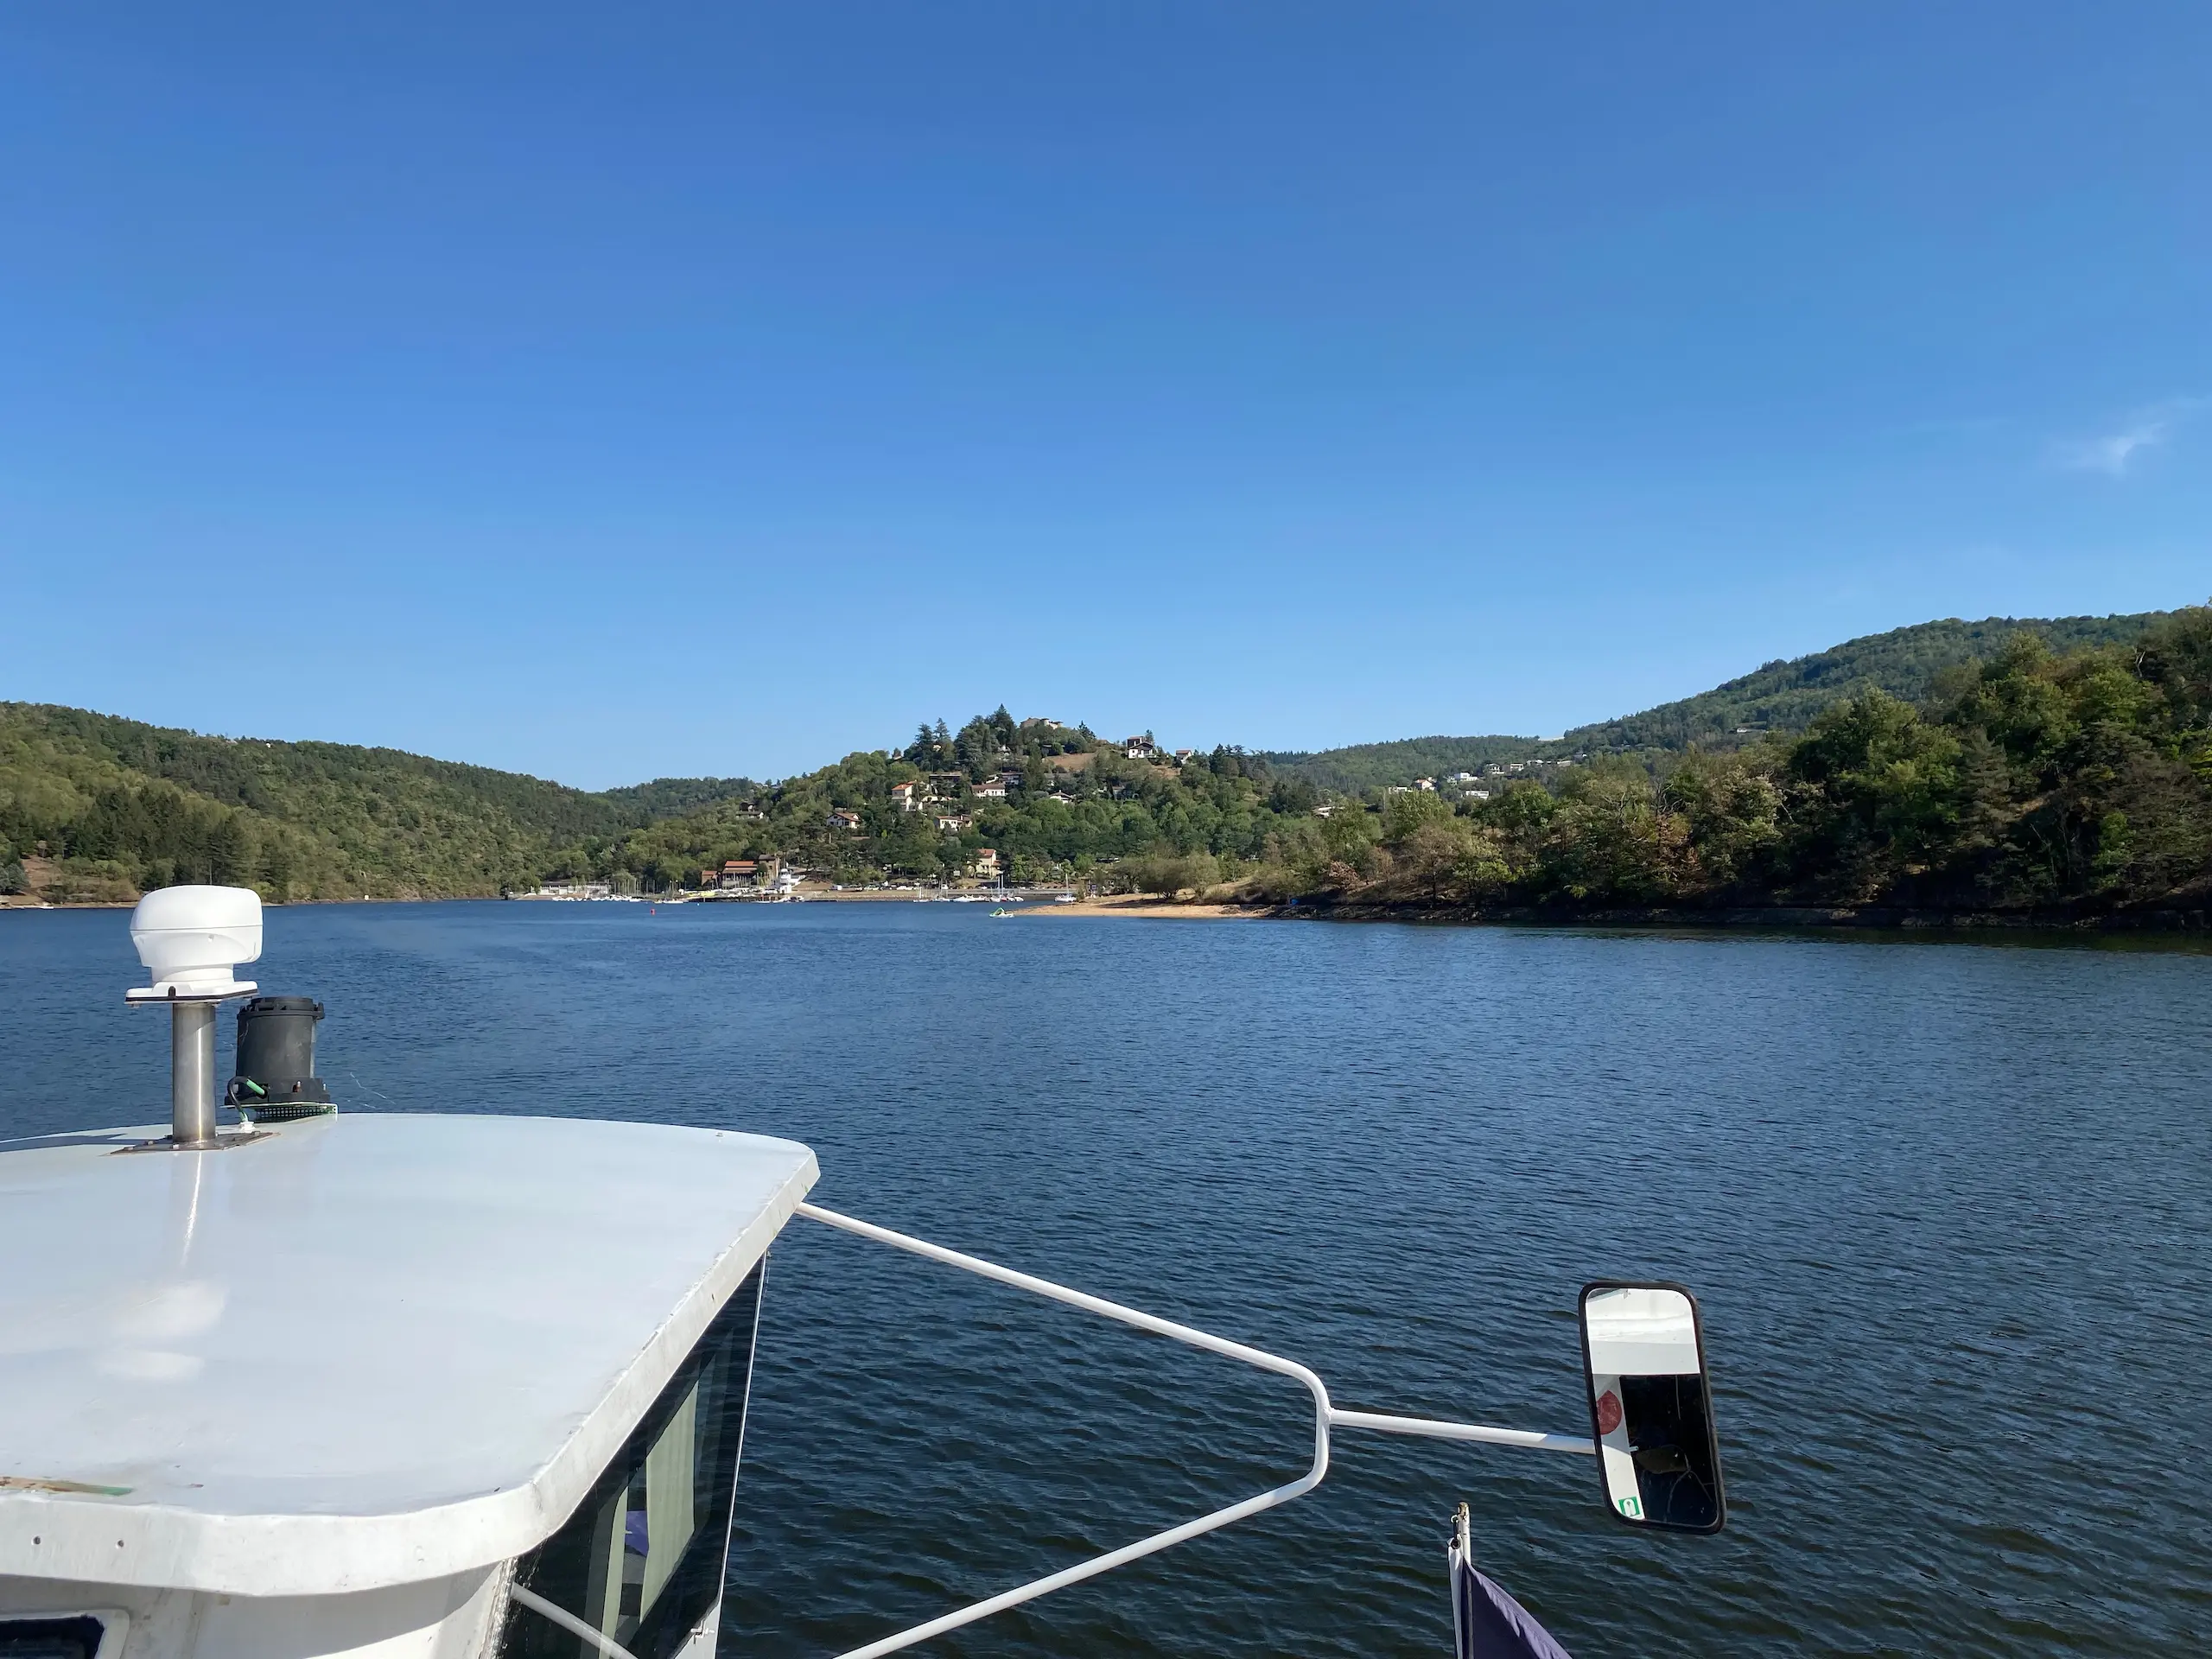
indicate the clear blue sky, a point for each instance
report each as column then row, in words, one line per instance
column 610, row 391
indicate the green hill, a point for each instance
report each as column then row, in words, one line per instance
column 2035, row 786
column 1780, row 696
column 1785, row 696
column 1046, row 800
column 94, row 807
column 97, row 808
column 1363, row 767
column 666, row 797
column 115, row 806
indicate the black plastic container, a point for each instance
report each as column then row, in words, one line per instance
column 275, row 1060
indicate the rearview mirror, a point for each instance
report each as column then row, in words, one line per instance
column 1650, row 1411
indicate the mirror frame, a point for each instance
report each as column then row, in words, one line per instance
column 1704, row 1374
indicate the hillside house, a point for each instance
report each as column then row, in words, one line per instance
column 991, row 789
column 841, row 818
column 906, row 796
column 952, row 824
column 1139, row 748
column 986, row 863
column 744, row 875
column 1426, row 785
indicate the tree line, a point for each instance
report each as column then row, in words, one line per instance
column 2075, row 783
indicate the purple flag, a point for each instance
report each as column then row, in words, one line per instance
column 1486, row 1622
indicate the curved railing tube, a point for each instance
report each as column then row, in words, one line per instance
column 1143, row 1321
column 1326, row 1416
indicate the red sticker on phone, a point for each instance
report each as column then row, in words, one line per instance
column 1609, row 1412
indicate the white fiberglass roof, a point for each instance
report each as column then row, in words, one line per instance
column 371, row 1349
column 1641, row 1330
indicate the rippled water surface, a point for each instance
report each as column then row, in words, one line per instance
column 1946, row 1206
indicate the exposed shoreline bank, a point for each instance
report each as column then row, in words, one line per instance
column 2162, row 923
column 1883, row 918
column 1135, row 904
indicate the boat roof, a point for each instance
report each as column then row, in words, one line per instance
column 371, row 1349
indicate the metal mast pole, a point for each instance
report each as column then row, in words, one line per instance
column 192, row 1074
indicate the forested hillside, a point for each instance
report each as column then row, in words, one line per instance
column 96, row 807
column 2017, row 774
column 2071, row 784
column 1049, row 801
column 1781, row 697
column 1379, row 766
column 666, row 796
column 112, row 806
column 1903, row 664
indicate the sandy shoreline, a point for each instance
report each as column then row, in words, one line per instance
column 1135, row 906
column 1043, row 904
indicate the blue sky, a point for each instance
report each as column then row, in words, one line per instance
column 608, row 392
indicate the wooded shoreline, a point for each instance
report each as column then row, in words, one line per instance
column 2028, row 787
column 1740, row 919
column 2166, row 922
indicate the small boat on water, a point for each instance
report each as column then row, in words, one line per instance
column 426, row 1386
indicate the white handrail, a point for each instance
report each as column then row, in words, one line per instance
column 568, row 1621
column 1430, row 1428
column 1143, row 1547
column 1325, row 1415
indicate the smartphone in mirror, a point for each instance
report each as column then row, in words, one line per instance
column 1651, row 1406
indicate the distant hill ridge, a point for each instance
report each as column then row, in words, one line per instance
column 333, row 817
column 101, row 807
column 1778, row 696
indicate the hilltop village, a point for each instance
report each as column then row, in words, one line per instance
column 1027, row 801
column 950, row 803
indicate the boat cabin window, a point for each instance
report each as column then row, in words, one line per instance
column 50, row 1638
column 642, row 1558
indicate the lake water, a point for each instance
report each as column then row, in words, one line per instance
column 1946, row 1207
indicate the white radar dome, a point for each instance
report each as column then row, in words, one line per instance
column 191, row 938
